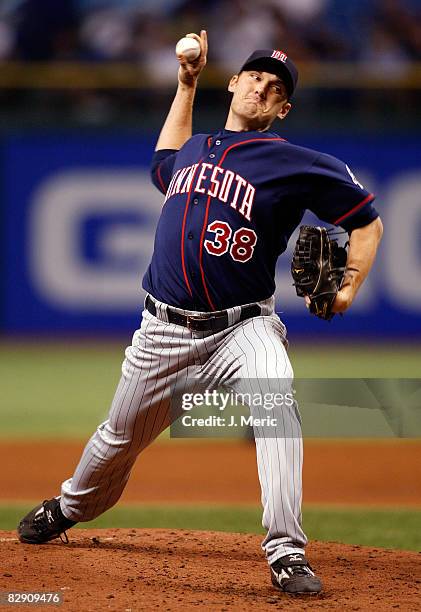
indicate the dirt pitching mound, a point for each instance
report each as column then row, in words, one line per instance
column 139, row 569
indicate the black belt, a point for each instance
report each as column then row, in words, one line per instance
column 205, row 322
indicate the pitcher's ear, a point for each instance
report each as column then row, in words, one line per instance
column 284, row 110
column 233, row 82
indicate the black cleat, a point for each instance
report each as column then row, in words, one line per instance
column 44, row 523
column 293, row 574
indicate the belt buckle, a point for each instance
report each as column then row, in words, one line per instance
column 193, row 320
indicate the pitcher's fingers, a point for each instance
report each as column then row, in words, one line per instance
column 204, row 42
column 182, row 59
column 193, row 35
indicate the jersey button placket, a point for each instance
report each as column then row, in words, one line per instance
column 190, row 250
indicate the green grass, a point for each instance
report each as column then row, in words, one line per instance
column 56, row 390
column 356, row 361
column 65, row 389
column 377, row 528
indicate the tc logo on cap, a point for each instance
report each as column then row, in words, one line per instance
column 279, row 55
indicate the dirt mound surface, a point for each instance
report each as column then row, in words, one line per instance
column 139, row 569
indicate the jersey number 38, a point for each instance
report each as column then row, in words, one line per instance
column 241, row 246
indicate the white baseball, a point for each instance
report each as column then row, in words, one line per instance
column 189, row 47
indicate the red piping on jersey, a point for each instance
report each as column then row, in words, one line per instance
column 202, row 237
column 158, row 172
column 357, row 207
column 202, row 272
column 183, row 227
column 209, row 141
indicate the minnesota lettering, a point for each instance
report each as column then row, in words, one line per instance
column 216, row 182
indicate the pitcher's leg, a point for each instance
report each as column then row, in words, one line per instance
column 138, row 414
column 279, row 461
column 259, row 346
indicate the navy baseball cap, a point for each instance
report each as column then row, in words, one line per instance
column 276, row 62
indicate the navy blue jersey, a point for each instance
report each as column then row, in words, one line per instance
column 232, row 201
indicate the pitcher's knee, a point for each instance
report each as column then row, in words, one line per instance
column 111, row 442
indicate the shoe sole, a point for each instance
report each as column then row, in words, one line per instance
column 293, row 593
column 27, row 541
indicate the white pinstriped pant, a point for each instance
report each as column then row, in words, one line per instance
column 162, row 355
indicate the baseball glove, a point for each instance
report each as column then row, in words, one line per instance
column 318, row 267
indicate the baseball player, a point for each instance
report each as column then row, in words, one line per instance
column 232, row 200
